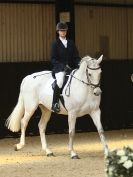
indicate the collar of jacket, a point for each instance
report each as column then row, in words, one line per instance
column 59, row 42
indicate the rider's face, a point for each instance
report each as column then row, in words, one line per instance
column 62, row 33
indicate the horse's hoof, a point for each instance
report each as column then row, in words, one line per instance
column 50, row 155
column 15, row 148
column 75, row 157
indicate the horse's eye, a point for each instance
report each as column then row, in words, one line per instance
column 89, row 74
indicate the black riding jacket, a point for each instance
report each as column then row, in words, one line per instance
column 61, row 56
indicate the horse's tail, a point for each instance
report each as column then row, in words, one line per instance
column 13, row 121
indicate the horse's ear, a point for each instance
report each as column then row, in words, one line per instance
column 100, row 59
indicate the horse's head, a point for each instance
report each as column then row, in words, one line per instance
column 93, row 73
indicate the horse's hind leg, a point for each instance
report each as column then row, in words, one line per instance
column 24, row 123
column 42, row 128
column 96, row 116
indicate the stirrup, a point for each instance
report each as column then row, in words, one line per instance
column 56, row 107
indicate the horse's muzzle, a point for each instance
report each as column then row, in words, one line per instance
column 97, row 91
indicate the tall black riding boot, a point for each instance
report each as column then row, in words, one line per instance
column 56, row 95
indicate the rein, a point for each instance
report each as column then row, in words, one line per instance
column 89, row 82
column 80, row 80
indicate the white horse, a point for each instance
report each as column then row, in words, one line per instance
column 81, row 95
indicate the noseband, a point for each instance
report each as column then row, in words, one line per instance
column 88, row 79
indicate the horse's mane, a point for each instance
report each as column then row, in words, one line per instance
column 89, row 61
column 86, row 58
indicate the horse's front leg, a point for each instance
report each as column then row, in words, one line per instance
column 96, row 116
column 71, row 123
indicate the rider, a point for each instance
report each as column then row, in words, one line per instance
column 64, row 55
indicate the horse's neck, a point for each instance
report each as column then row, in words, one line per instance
column 81, row 75
column 81, row 72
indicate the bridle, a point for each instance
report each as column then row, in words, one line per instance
column 88, row 79
column 89, row 83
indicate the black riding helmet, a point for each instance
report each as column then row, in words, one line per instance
column 61, row 26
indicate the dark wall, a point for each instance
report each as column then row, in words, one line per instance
column 66, row 6
column 116, row 103
column 117, row 97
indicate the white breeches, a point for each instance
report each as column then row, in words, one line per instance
column 60, row 78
